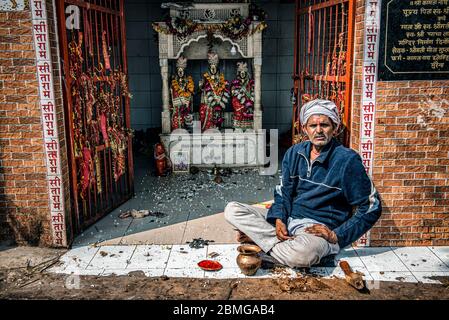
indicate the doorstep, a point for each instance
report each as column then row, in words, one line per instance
column 179, row 260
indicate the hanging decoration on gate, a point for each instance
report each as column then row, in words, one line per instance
column 331, row 90
column 89, row 35
column 87, row 171
column 97, row 95
column 339, row 70
column 107, row 63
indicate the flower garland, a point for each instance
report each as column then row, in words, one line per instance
column 235, row 28
column 182, row 92
column 216, row 88
column 177, row 26
column 216, row 96
column 241, row 92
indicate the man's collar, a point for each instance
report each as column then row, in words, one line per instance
column 324, row 154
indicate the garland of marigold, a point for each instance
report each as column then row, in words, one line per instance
column 221, row 86
column 234, row 28
column 180, row 91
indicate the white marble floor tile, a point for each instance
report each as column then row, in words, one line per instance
column 84, row 272
column 420, row 259
column 153, row 272
column 103, row 231
column 400, row 276
column 349, row 255
column 112, row 257
column 79, row 257
column 122, row 272
column 336, row 272
column 227, row 254
column 380, row 259
column 230, row 273
column 150, row 257
column 225, row 273
column 442, row 253
column 184, row 273
column 424, row 277
column 184, row 257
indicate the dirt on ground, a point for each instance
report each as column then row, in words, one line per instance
column 24, row 275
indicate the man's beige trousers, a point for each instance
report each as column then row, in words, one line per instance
column 304, row 250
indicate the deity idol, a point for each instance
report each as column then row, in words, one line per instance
column 242, row 90
column 182, row 88
column 214, row 95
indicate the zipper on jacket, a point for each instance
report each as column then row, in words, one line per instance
column 309, row 165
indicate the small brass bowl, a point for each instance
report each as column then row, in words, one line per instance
column 249, row 260
column 249, row 249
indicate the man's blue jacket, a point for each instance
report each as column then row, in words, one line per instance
column 327, row 190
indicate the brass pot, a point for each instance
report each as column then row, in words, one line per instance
column 249, row 260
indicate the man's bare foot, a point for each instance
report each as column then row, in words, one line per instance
column 243, row 238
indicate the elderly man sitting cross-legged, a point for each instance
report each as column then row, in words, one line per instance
column 312, row 214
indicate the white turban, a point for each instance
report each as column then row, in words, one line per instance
column 319, row 106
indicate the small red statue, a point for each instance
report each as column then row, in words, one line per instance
column 162, row 162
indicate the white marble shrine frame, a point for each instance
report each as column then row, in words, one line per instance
column 171, row 47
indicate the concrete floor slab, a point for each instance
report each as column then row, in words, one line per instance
column 420, row 259
column 338, row 273
column 112, row 257
column 184, row 257
column 400, row 276
column 182, row 262
column 123, row 272
column 150, row 257
column 442, row 253
column 181, row 197
column 380, row 259
column 184, row 273
column 349, row 255
column 168, row 235
column 227, row 254
column 213, row 227
column 425, row 277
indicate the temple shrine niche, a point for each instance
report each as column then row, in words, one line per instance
column 212, row 32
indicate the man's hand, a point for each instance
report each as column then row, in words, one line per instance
column 281, row 231
column 322, row 231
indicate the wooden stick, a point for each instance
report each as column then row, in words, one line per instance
column 355, row 279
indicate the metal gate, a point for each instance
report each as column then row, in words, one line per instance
column 324, row 33
column 96, row 101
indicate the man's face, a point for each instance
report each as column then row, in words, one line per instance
column 320, row 130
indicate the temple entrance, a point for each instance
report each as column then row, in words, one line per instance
column 187, row 202
column 324, row 41
column 98, row 56
column 96, row 101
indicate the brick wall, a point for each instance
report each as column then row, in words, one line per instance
column 24, row 202
column 411, row 166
